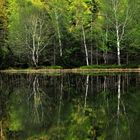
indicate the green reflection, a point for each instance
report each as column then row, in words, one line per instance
column 70, row 107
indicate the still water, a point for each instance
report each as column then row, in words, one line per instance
column 70, row 106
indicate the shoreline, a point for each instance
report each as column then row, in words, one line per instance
column 74, row 70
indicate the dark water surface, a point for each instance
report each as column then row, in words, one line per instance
column 70, row 107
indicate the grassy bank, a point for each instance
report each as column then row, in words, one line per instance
column 110, row 66
column 74, row 70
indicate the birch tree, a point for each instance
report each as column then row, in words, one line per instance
column 57, row 11
column 81, row 17
column 117, row 13
column 35, row 37
column 29, row 30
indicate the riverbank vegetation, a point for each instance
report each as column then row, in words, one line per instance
column 69, row 33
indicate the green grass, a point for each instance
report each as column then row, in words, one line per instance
column 109, row 66
column 47, row 67
column 54, row 67
column 36, row 68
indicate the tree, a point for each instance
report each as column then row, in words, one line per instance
column 81, row 16
column 117, row 13
column 3, row 29
column 36, row 34
column 58, row 12
column 32, row 22
column 131, row 39
column 69, row 33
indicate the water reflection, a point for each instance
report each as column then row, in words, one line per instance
column 69, row 107
column 87, row 85
column 118, row 107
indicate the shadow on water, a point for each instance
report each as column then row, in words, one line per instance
column 70, row 107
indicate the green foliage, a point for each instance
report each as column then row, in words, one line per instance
column 3, row 33
column 54, row 67
column 59, row 25
column 109, row 66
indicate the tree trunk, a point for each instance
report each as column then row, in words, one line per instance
column 91, row 55
column 118, row 45
column 127, row 58
column 104, row 57
column 33, row 58
column 59, row 35
column 85, row 46
column 91, row 47
column 54, row 54
column 118, row 53
column 97, row 62
column 34, row 52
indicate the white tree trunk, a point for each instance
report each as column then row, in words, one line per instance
column 59, row 35
column 119, row 26
column 118, row 45
column 34, row 52
column 35, row 30
column 85, row 46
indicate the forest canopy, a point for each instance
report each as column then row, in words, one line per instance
column 69, row 33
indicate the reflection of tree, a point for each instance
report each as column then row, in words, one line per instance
column 60, row 99
column 4, row 94
column 2, row 135
column 37, row 98
column 86, row 93
column 118, row 107
column 60, row 107
column 99, row 120
column 122, row 125
column 105, row 83
column 72, row 111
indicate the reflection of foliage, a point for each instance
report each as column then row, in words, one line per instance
column 99, row 119
column 4, row 91
column 17, row 110
column 57, row 132
column 80, row 124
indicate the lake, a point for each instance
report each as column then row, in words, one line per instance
column 103, row 106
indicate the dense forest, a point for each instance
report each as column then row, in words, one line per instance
column 69, row 33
